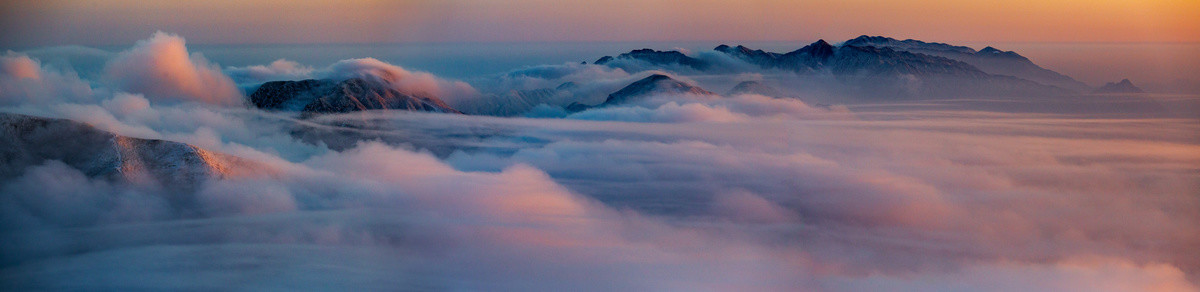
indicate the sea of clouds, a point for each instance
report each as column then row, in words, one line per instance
column 745, row 192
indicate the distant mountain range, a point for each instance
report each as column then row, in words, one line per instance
column 881, row 66
column 866, row 67
column 989, row 60
column 1124, row 86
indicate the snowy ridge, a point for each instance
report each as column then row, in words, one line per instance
column 27, row 141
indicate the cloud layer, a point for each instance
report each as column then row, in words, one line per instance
column 743, row 192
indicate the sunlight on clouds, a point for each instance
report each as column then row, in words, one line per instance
column 672, row 192
column 161, row 68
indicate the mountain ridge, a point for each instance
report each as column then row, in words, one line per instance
column 315, row 96
column 650, row 85
column 27, row 141
column 1123, row 86
column 989, row 59
column 880, row 66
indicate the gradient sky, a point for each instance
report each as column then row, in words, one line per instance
column 119, row 22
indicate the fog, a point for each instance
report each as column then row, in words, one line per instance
column 671, row 192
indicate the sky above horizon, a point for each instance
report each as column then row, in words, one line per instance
column 116, row 22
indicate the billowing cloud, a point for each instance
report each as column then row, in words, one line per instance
column 25, row 81
column 552, row 76
column 404, row 80
column 20, row 67
column 161, row 69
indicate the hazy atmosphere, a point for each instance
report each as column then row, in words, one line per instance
column 600, row 145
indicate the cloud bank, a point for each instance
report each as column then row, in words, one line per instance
column 742, row 192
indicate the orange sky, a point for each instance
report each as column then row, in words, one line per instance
column 112, row 22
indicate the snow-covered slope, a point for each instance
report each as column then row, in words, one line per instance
column 27, row 141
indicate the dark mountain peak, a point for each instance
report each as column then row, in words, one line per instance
column 332, row 96
column 651, row 54
column 990, row 59
column 994, row 52
column 738, row 50
column 908, row 44
column 752, row 56
column 566, row 86
column 653, row 84
column 755, row 87
column 865, row 39
column 658, row 58
column 819, row 49
column 872, row 41
column 865, row 48
column 1125, row 86
column 661, row 77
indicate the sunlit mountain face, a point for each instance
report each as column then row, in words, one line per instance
column 855, row 163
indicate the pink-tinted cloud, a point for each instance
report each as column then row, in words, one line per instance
column 23, row 80
column 161, row 69
column 404, row 80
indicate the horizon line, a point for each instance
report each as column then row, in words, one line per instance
column 727, row 42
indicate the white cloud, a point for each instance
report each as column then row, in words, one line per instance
column 685, row 108
column 404, row 80
column 277, row 70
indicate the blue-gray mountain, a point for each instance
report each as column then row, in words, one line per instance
column 1125, row 86
column 879, row 66
column 652, row 85
column 755, row 87
column 659, row 57
column 989, row 59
